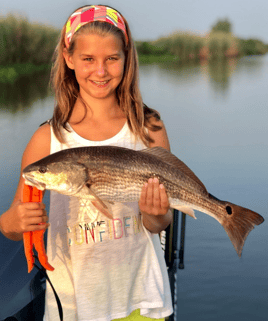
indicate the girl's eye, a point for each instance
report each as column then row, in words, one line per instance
column 88, row 59
column 112, row 58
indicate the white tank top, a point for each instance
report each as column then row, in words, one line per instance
column 104, row 269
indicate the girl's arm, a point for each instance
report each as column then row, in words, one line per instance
column 154, row 204
column 24, row 217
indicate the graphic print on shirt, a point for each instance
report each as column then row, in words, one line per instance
column 104, row 230
column 93, row 227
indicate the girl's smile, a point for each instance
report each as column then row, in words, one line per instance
column 98, row 63
column 100, row 84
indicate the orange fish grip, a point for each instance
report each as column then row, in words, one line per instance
column 34, row 238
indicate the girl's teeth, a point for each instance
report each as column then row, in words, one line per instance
column 100, row 82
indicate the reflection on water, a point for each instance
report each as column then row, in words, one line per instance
column 219, row 73
column 29, row 89
column 24, row 92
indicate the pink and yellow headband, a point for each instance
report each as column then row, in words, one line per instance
column 89, row 14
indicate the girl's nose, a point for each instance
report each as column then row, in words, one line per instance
column 101, row 69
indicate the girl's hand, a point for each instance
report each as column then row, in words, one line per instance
column 31, row 216
column 153, row 199
column 154, row 206
column 23, row 217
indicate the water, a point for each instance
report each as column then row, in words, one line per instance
column 216, row 118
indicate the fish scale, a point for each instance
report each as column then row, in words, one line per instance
column 117, row 174
column 122, row 179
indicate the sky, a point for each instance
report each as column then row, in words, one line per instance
column 151, row 19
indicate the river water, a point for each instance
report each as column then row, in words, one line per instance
column 216, row 117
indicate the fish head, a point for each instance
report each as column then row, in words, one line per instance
column 64, row 176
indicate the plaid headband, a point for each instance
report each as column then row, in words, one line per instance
column 89, row 14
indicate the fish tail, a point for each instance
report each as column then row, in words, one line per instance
column 238, row 222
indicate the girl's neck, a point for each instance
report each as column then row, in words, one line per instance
column 98, row 110
column 101, row 122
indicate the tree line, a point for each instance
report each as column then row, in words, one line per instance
column 28, row 47
column 218, row 44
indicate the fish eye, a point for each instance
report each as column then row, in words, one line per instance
column 229, row 210
column 42, row 169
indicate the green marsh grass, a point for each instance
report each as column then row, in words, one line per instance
column 150, row 59
column 24, row 47
column 186, row 47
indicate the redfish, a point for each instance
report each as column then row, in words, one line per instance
column 115, row 174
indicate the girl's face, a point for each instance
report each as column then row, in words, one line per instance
column 98, row 63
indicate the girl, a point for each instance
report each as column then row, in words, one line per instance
column 104, row 269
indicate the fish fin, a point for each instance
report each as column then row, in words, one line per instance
column 98, row 199
column 185, row 209
column 238, row 222
column 98, row 203
column 99, row 206
column 172, row 160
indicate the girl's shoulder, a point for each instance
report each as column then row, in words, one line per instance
column 38, row 146
column 160, row 136
column 41, row 137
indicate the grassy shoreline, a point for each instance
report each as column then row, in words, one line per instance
column 10, row 73
column 186, row 47
column 27, row 48
column 150, row 59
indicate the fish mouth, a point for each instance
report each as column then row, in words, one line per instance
column 32, row 182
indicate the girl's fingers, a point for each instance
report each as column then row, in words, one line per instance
column 163, row 197
column 150, row 192
column 33, row 206
column 154, row 199
column 36, row 213
column 37, row 220
column 156, row 194
column 143, row 194
column 32, row 209
column 37, row 227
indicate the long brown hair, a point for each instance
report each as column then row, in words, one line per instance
column 139, row 116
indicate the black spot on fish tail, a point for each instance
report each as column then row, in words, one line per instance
column 229, row 210
column 238, row 222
